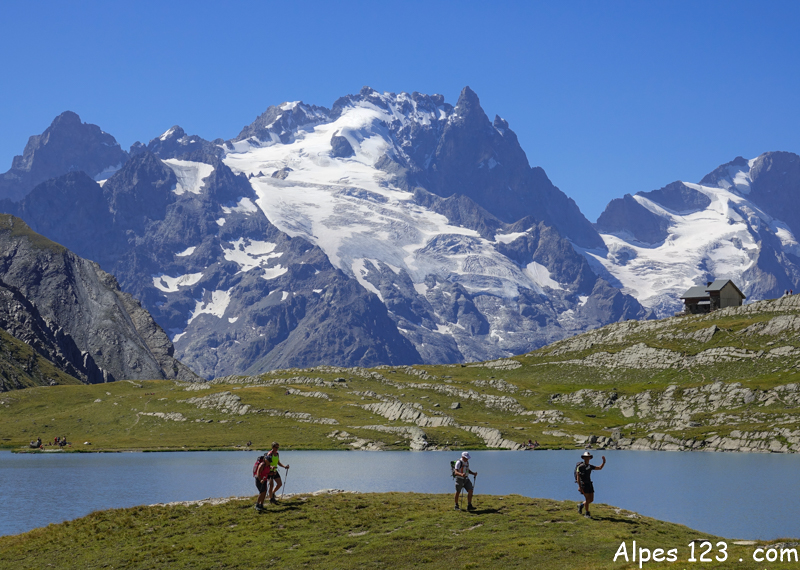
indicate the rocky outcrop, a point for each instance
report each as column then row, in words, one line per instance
column 229, row 403
column 493, row 438
column 399, row 411
column 75, row 313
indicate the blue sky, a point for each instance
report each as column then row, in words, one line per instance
column 609, row 98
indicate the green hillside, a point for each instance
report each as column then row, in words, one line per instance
column 386, row 530
column 725, row 381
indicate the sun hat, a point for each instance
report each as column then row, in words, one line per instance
column 587, row 454
column 465, row 455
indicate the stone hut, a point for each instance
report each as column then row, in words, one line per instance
column 715, row 295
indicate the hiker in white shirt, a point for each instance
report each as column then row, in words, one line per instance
column 462, row 473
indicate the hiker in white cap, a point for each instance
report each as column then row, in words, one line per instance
column 583, row 477
column 462, row 473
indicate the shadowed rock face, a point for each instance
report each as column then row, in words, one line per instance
column 66, row 145
column 776, row 186
column 74, row 313
column 483, row 161
column 679, row 198
column 627, row 215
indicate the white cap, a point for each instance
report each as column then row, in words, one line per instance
column 465, row 455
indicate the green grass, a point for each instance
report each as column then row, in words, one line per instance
column 115, row 422
column 388, row 530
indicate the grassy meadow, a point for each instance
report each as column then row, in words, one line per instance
column 386, row 530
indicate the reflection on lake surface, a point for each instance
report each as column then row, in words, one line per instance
column 735, row 495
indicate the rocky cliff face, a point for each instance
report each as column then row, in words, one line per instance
column 67, row 145
column 74, row 314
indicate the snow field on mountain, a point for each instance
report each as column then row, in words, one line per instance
column 190, row 175
column 214, row 304
column 249, row 254
column 719, row 241
column 350, row 209
column 169, row 284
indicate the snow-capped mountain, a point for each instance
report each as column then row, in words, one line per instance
column 391, row 228
column 740, row 222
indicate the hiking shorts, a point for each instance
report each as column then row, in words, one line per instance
column 463, row 483
column 261, row 486
column 587, row 488
column 274, row 475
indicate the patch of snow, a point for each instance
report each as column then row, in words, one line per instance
column 186, row 252
column 284, row 296
column 249, row 254
column 421, row 288
column 244, row 206
column 215, row 306
column 169, row 284
column 317, row 291
column 582, row 300
column 107, row 173
column 233, row 319
column 220, row 222
column 167, row 134
column 360, row 271
column 508, row 238
column 190, row 175
column 274, row 272
column 540, row 275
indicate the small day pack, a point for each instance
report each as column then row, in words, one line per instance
column 261, row 459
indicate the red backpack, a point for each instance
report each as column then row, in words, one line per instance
column 261, row 459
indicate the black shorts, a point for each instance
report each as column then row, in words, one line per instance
column 274, row 475
column 261, row 486
column 587, row 488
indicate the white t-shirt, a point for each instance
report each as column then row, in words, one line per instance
column 462, row 465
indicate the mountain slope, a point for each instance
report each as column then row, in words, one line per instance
column 73, row 313
column 740, row 222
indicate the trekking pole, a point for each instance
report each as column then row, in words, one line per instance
column 284, row 483
column 474, row 483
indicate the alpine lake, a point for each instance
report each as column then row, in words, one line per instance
column 735, row 495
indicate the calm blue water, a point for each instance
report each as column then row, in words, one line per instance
column 735, row 495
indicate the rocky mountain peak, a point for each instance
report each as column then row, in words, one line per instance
column 66, row 145
column 279, row 122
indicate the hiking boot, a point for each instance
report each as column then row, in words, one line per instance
column 457, row 508
column 587, row 515
column 470, row 507
column 258, row 507
column 580, row 508
column 274, row 501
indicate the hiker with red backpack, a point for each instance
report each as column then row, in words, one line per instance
column 274, row 476
column 261, row 472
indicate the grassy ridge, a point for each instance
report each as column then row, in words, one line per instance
column 387, row 530
column 120, row 420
